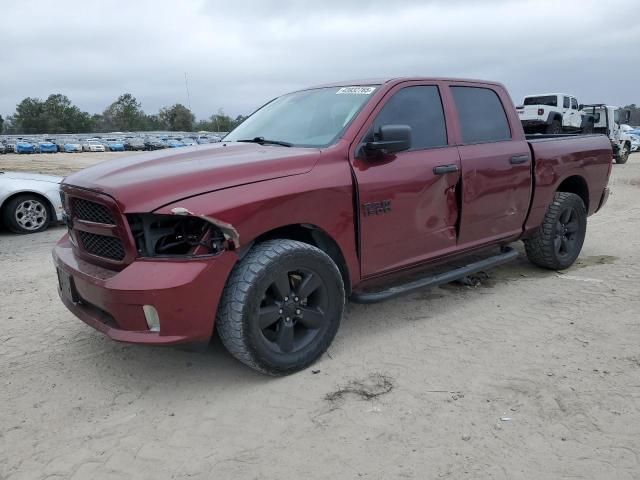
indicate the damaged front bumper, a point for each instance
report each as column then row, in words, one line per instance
column 184, row 293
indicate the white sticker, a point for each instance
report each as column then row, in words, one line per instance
column 355, row 91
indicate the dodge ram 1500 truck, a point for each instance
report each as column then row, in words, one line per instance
column 362, row 190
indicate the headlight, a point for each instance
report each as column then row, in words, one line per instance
column 175, row 235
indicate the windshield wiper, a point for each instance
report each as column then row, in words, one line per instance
column 264, row 141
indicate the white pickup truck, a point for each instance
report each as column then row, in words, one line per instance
column 608, row 120
column 553, row 113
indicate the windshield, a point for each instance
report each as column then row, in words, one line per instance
column 549, row 100
column 310, row 118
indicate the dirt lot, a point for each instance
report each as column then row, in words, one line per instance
column 532, row 375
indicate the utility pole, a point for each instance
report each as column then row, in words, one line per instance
column 186, row 86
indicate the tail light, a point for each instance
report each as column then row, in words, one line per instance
column 541, row 111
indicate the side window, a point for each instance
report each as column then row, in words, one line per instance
column 574, row 103
column 482, row 116
column 565, row 102
column 419, row 107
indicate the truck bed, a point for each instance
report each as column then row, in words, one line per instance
column 584, row 160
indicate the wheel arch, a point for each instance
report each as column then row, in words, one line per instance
column 312, row 235
column 577, row 185
column 47, row 202
column 554, row 116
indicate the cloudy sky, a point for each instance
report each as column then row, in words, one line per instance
column 239, row 54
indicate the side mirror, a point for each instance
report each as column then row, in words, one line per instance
column 580, row 106
column 391, row 139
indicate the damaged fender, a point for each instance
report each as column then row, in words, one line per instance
column 230, row 233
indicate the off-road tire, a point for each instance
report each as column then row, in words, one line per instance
column 541, row 247
column 623, row 154
column 554, row 128
column 247, row 290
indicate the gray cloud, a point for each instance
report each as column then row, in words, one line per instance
column 238, row 56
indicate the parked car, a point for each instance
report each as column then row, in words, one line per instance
column 154, row 144
column 29, row 202
column 9, row 146
column 271, row 231
column 134, row 144
column 115, row 145
column 72, row 146
column 47, row 147
column 174, row 143
column 92, row 146
column 635, row 140
column 2, row 148
column 553, row 113
column 24, row 146
column 188, row 141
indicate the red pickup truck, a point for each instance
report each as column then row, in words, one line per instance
column 362, row 190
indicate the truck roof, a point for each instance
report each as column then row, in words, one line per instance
column 549, row 95
column 394, row 80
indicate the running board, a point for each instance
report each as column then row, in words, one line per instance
column 505, row 256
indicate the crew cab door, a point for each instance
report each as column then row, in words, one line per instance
column 407, row 200
column 496, row 165
column 576, row 117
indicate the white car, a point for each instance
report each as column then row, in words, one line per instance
column 29, row 202
column 92, row 146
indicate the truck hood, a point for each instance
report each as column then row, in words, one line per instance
column 146, row 182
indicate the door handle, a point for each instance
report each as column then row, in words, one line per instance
column 519, row 159
column 443, row 169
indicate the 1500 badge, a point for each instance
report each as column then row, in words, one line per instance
column 377, row 208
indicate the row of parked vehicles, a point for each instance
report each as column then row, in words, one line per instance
column 559, row 113
column 100, row 144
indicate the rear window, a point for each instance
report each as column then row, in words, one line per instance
column 549, row 100
column 482, row 117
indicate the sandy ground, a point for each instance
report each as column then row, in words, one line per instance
column 55, row 163
column 532, row 375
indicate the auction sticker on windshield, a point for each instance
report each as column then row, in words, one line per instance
column 355, row 91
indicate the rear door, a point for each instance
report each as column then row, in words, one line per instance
column 407, row 200
column 576, row 117
column 496, row 165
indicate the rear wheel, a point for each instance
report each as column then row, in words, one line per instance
column 26, row 214
column 558, row 241
column 281, row 307
column 554, row 128
column 623, row 154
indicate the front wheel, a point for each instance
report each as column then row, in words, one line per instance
column 558, row 241
column 26, row 214
column 623, row 155
column 281, row 307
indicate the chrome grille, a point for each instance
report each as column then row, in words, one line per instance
column 92, row 212
column 101, row 245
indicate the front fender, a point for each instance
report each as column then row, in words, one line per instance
column 322, row 198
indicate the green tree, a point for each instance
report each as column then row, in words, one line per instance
column 239, row 119
column 57, row 112
column 177, row 118
column 125, row 113
column 221, row 122
column 29, row 116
